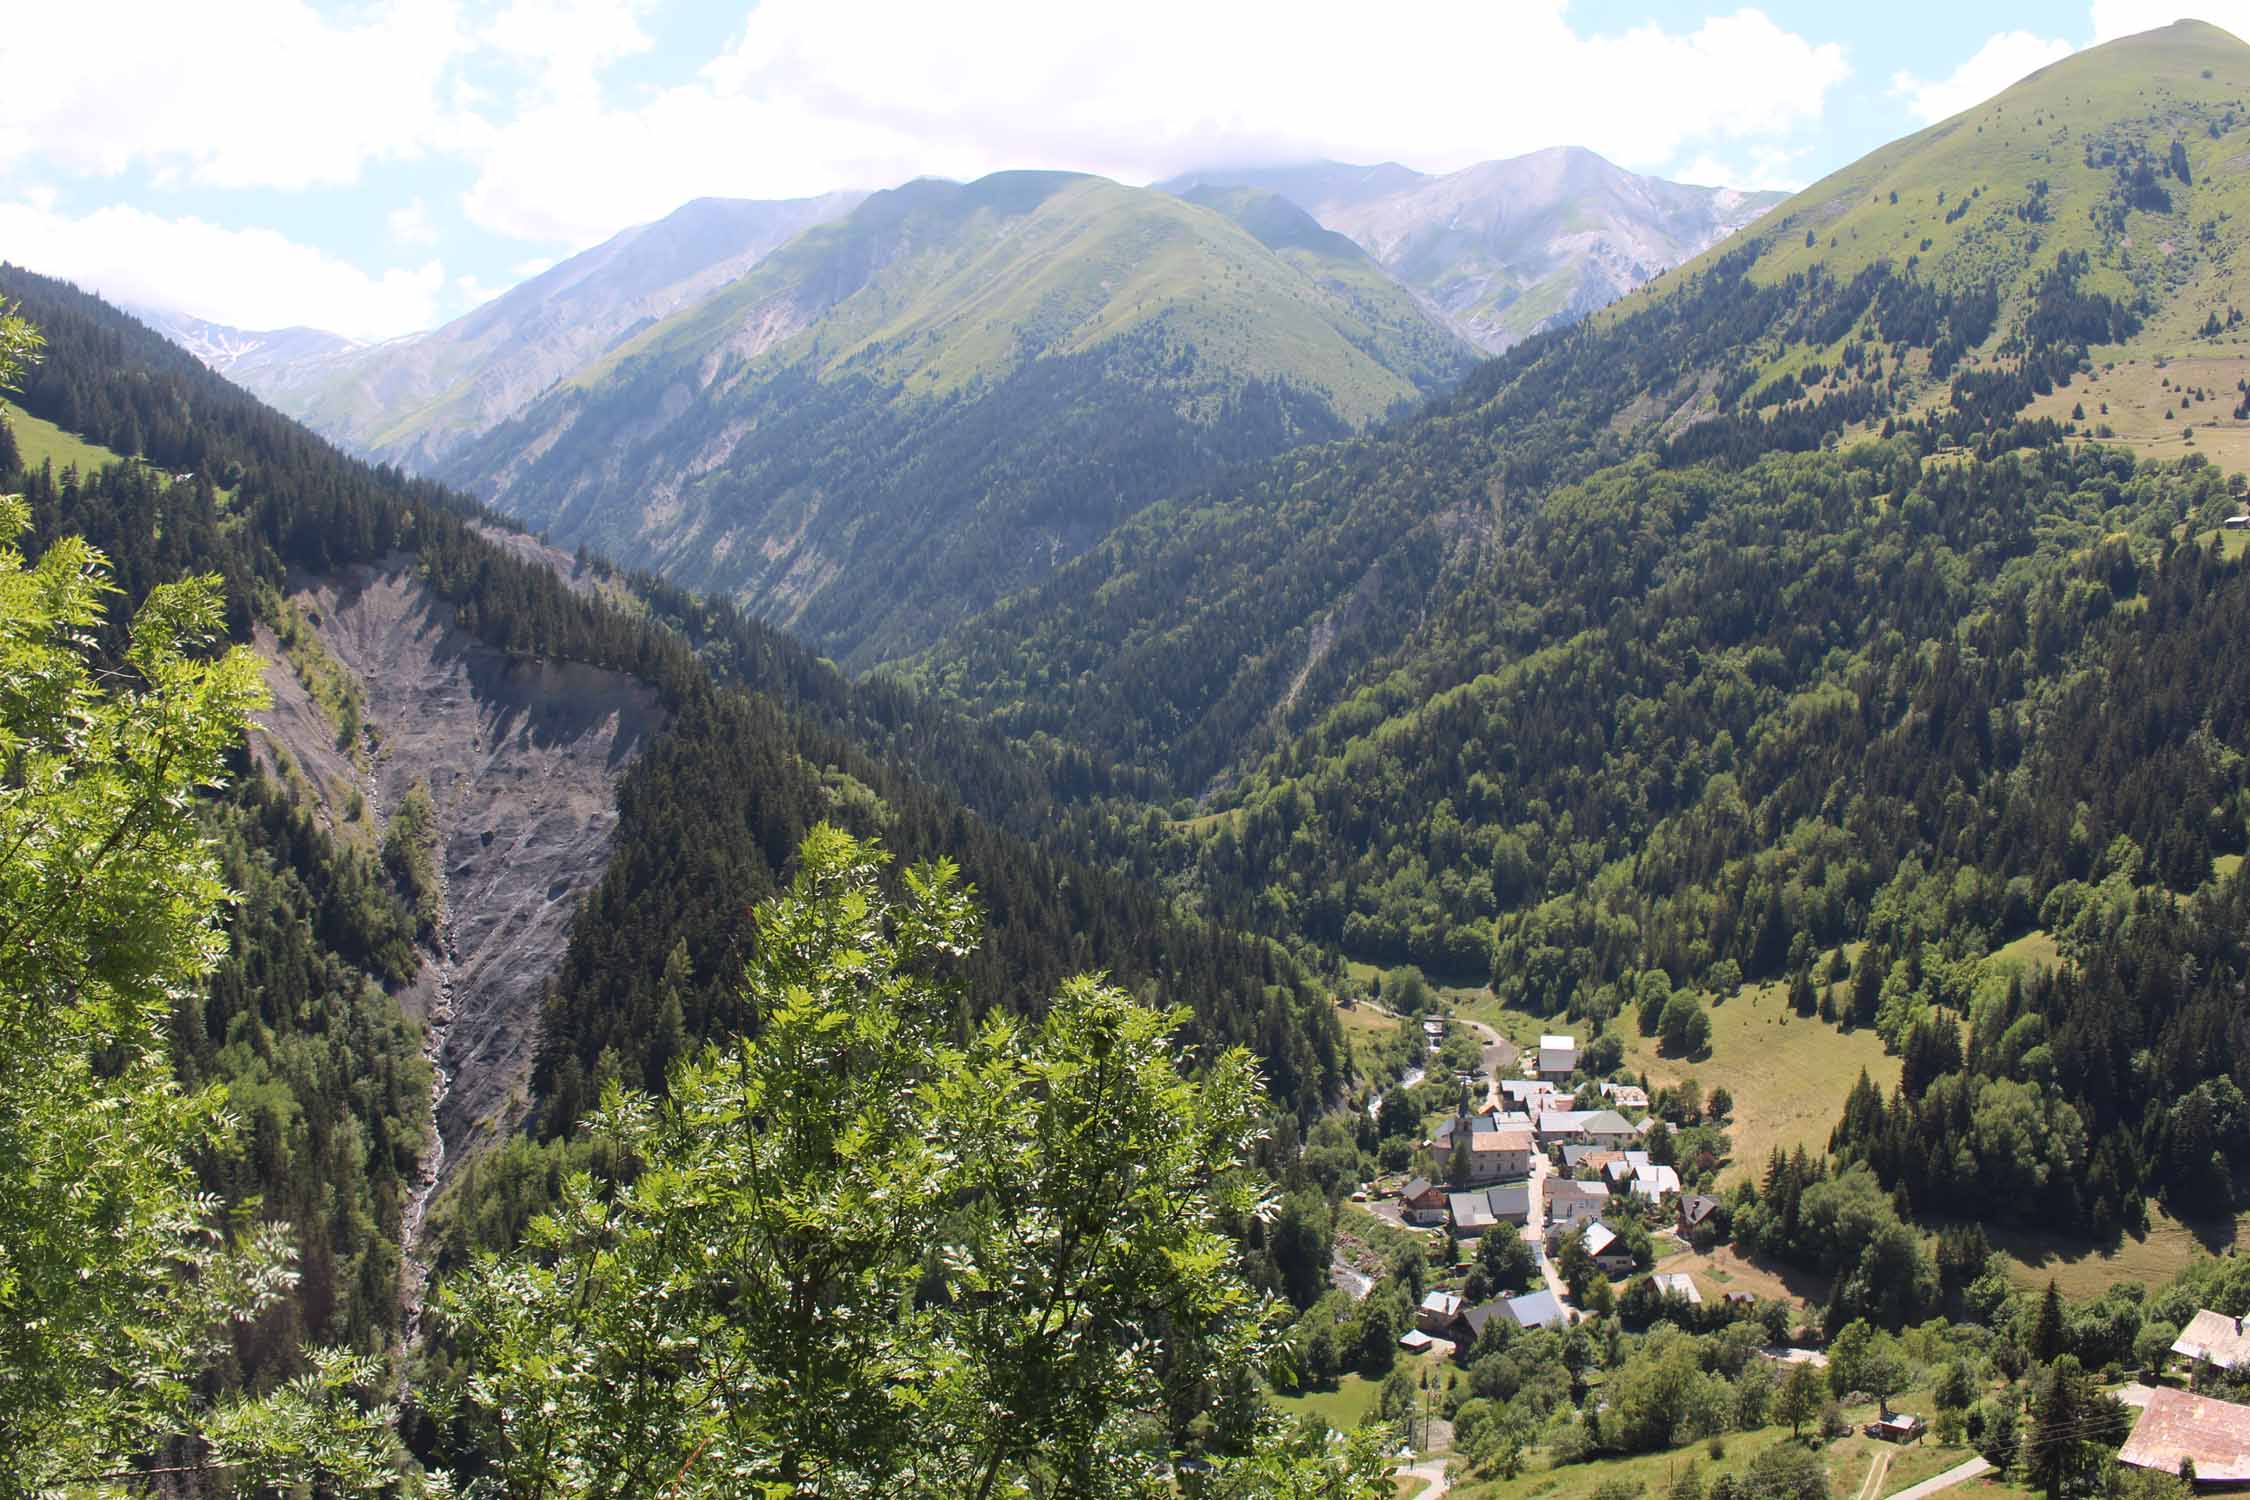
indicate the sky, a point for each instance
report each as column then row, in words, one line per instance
column 380, row 167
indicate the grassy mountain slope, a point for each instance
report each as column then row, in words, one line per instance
column 905, row 414
column 1505, row 249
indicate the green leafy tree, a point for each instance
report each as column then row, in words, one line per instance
column 1799, row 1398
column 1786, row 1471
column 118, row 1280
column 857, row 1255
column 1506, row 1257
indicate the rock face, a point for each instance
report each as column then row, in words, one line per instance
column 1505, row 249
column 520, row 759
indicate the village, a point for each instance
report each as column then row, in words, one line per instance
column 1574, row 1179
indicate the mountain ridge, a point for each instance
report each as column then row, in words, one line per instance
column 1508, row 248
column 908, row 361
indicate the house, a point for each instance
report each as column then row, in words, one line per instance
column 1678, row 1284
column 1537, row 1310
column 1473, row 1322
column 1471, row 1214
column 1577, row 1156
column 1570, row 1203
column 1618, row 1167
column 1897, row 1427
column 1422, row 1202
column 2176, row 1425
column 1414, row 1341
column 1510, row 1203
column 1562, row 1127
column 1625, row 1095
column 1528, row 1094
column 1606, row 1128
column 1438, row 1312
column 2216, row 1338
column 1558, row 1057
column 2236, row 523
column 1695, row 1208
column 1607, row 1249
column 1655, row 1182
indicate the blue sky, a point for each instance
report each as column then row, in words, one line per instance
column 378, row 166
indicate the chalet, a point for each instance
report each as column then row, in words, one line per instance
column 2216, row 1339
column 1438, row 1312
column 2176, row 1425
column 1607, row 1249
column 1422, row 1202
column 1558, row 1057
column 1471, row 1214
column 1537, row 1310
column 1625, row 1095
column 1678, row 1284
column 1695, row 1208
column 1570, row 1203
column 1896, row 1427
column 1618, row 1167
column 1415, row 1341
column 2236, row 523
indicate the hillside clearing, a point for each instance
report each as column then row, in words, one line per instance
column 2082, row 1269
column 1788, row 1073
column 41, row 441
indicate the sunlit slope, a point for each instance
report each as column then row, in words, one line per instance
column 2083, row 156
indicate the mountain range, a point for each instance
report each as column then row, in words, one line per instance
column 1506, row 249
column 1233, row 315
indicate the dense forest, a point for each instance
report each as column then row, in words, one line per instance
column 761, row 746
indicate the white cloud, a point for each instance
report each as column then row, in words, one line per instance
column 569, row 42
column 249, row 93
column 250, row 278
column 820, row 94
column 411, row 225
column 1762, row 168
column 2116, row 18
column 2001, row 61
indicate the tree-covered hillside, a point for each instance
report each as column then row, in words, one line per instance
column 301, row 1020
column 1772, row 627
column 899, row 417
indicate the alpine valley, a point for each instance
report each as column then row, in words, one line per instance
column 1039, row 837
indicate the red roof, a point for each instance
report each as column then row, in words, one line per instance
column 2176, row 1425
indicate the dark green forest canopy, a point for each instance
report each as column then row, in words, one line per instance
column 763, row 743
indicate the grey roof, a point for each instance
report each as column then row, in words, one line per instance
column 1510, row 1200
column 1414, row 1188
column 1469, row 1210
column 1537, row 1310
